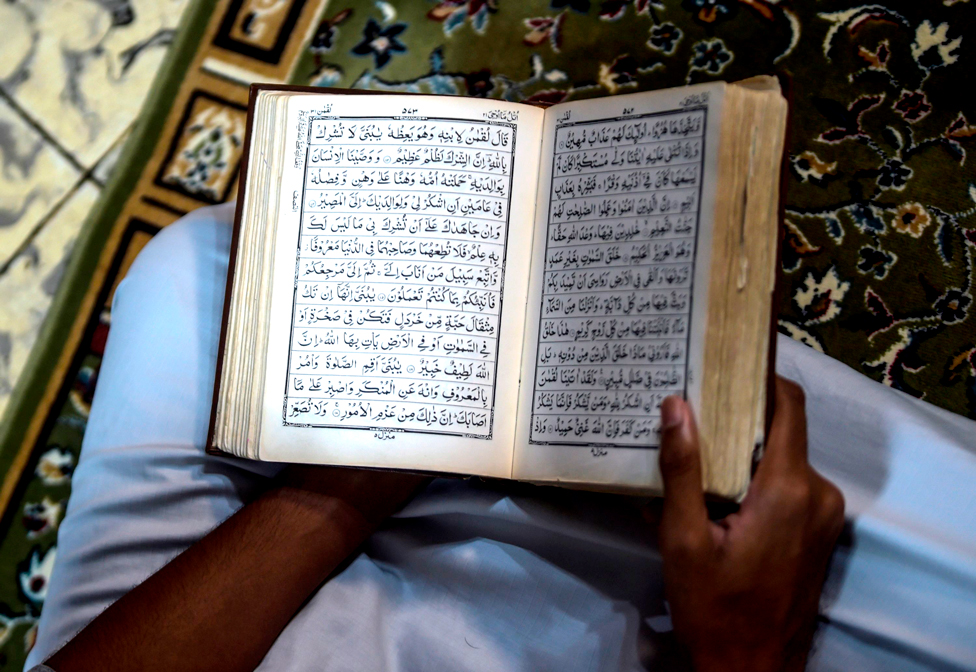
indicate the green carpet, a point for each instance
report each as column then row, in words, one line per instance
column 880, row 204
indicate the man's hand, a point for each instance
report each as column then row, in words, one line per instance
column 744, row 591
column 370, row 494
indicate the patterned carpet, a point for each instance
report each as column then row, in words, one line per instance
column 877, row 261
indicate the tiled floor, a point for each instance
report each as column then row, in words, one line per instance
column 73, row 76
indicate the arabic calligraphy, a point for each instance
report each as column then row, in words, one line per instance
column 619, row 264
column 399, row 274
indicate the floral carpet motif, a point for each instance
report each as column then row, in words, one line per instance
column 881, row 196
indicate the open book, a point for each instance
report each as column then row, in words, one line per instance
column 479, row 287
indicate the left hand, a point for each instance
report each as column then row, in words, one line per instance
column 373, row 494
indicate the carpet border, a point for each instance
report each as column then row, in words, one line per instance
column 134, row 225
column 38, row 386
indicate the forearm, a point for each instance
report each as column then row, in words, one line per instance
column 222, row 603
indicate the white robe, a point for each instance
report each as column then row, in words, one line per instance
column 495, row 577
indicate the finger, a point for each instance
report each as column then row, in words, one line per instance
column 830, row 508
column 684, row 519
column 786, row 445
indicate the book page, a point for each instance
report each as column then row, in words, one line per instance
column 401, row 266
column 617, row 296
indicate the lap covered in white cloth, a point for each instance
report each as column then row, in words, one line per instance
column 479, row 576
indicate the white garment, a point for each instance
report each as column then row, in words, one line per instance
column 479, row 576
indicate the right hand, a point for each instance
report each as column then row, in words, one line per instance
column 744, row 591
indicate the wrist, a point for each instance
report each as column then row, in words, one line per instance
column 737, row 660
column 373, row 495
column 319, row 509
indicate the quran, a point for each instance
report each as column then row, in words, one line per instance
column 478, row 287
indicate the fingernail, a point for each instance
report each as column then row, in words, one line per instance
column 672, row 413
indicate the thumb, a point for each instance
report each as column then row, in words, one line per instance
column 684, row 515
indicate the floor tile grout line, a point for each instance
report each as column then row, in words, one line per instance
column 36, row 125
column 29, row 239
column 119, row 139
column 86, row 174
